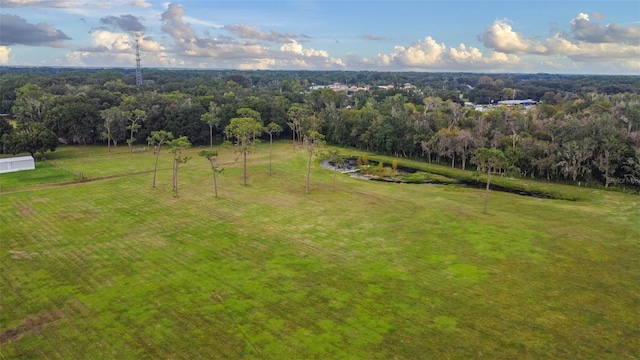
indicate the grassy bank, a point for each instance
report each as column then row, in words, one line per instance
column 113, row 268
column 503, row 183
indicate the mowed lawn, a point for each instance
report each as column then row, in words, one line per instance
column 112, row 268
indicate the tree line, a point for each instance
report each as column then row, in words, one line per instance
column 587, row 136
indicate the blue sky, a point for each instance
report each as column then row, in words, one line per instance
column 568, row 37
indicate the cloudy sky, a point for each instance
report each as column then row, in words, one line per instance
column 568, row 36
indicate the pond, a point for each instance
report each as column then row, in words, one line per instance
column 408, row 175
column 385, row 173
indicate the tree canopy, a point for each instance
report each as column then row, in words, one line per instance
column 31, row 137
column 244, row 132
column 583, row 129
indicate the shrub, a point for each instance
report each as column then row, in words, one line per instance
column 422, row 177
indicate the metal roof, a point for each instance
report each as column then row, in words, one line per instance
column 17, row 158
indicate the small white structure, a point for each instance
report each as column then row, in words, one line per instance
column 17, row 164
column 527, row 102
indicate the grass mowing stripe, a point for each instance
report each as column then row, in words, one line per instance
column 371, row 271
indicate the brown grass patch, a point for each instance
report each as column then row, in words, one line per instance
column 76, row 215
column 25, row 210
column 17, row 254
column 30, row 325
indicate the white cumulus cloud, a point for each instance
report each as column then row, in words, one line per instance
column 296, row 48
column 463, row 55
column 294, row 55
column 118, row 49
column 112, row 41
column 419, row 54
column 431, row 55
column 248, row 48
column 585, row 42
column 5, row 53
column 585, row 51
column 501, row 37
column 140, row 3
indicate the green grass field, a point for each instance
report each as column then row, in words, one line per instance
column 45, row 173
column 111, row 268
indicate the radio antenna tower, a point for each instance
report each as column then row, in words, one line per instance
column 138, row 70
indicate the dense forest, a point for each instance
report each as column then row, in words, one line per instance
column 584, row 129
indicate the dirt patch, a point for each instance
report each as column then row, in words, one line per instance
column 30, row 325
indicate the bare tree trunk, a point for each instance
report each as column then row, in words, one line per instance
column 211, row 136
column 131, row 141
column 245, row 168
column 176, row 177
column 309, row 170
column 270, row 143
column 486, row 192
column 155, row 168
column 215, row 184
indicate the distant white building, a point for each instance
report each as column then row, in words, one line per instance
column 527, row 102
column 17, row 164
column 316, row 87
column 338, row 87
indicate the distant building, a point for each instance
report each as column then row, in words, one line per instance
column 337, row 87
column 527, row 102
column 17, row 164
column 316, row 87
